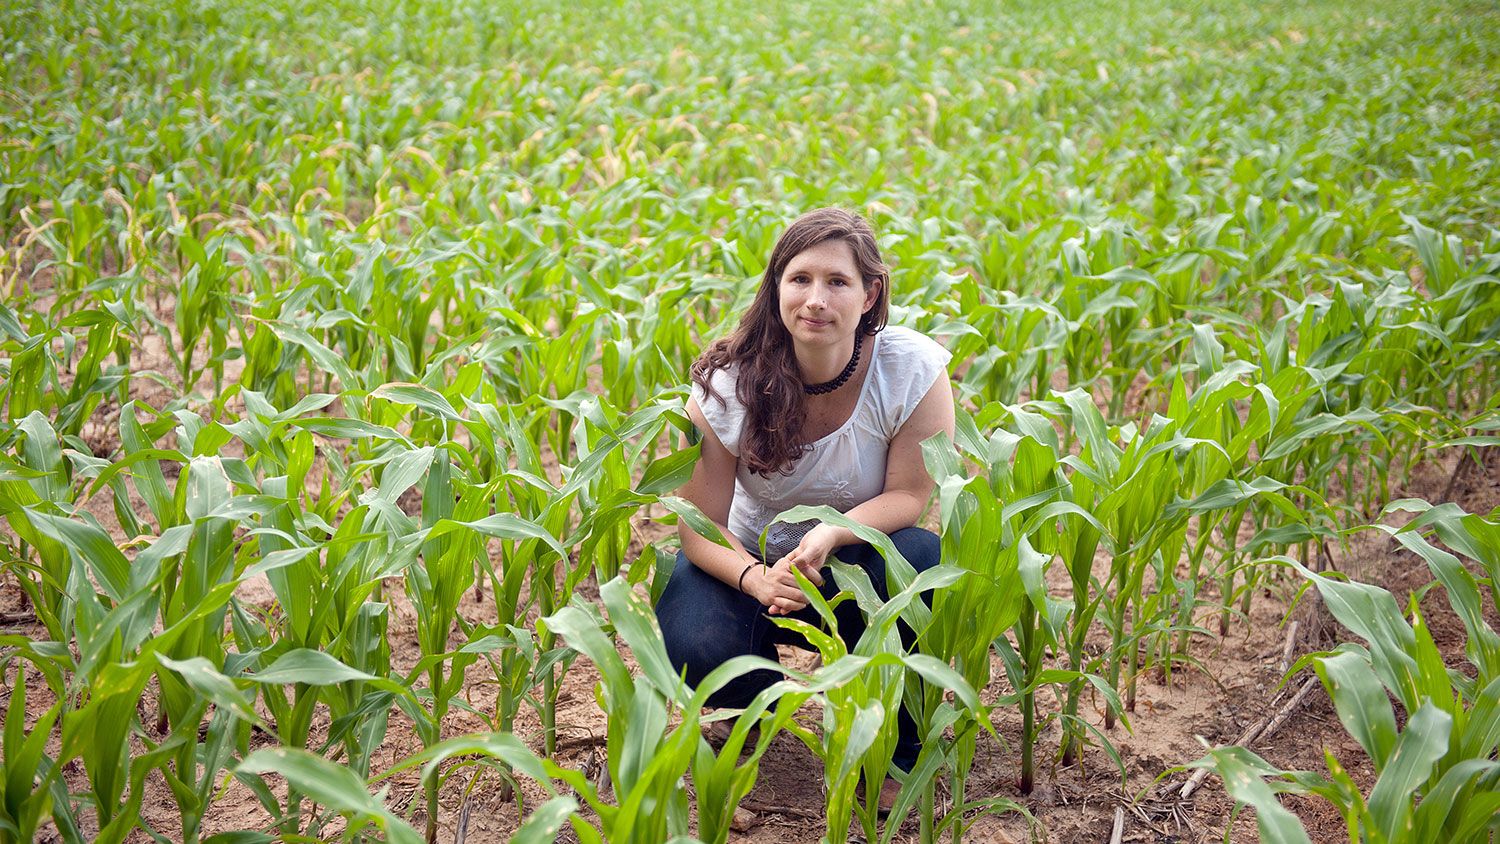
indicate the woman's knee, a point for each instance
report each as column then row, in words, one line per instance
column 697, row 656
column 920, row 546
column 699, row 629
column 675, row 601
column 679, row 616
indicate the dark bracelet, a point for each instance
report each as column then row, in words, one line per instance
column 741, row 585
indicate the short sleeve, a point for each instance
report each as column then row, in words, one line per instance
column 726, row 417
column 910, row 363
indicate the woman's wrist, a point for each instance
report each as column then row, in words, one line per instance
column 751, row 580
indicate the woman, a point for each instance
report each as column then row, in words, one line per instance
column 812, row 400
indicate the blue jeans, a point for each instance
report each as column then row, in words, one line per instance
column 706, row 622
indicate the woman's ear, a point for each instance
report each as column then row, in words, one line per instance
column 872, row 295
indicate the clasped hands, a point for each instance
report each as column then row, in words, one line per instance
column 775, row 586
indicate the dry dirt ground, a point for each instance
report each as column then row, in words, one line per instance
column 1238, row 684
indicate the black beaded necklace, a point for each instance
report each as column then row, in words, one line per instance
column 830, row 386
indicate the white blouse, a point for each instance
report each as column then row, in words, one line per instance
column 843, row 469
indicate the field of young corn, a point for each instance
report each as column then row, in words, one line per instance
column 343, row 357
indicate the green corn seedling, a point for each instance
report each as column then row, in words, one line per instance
column 1436, row 776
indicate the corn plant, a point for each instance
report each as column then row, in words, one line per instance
column 858, row 740
column 973, row 537
column 342, row 792
column 1436, row 775
column 1127, row 490
column 37, row 476
column 30, row 776
column 34, row 368
column 120, row 654
column 989, row 527
column 647, row 760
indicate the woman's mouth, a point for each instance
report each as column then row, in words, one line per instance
column 815, row 323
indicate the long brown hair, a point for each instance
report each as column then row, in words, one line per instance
column 769, row 385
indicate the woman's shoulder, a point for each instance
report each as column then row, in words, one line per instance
column 899, row 345
column 722, row 410
column 723, row 380
column 903, row 334
column 908, row 363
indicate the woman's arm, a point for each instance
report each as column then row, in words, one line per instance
column 907, row 484
column 711, row 488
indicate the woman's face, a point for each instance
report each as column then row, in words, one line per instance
column 822, row 294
